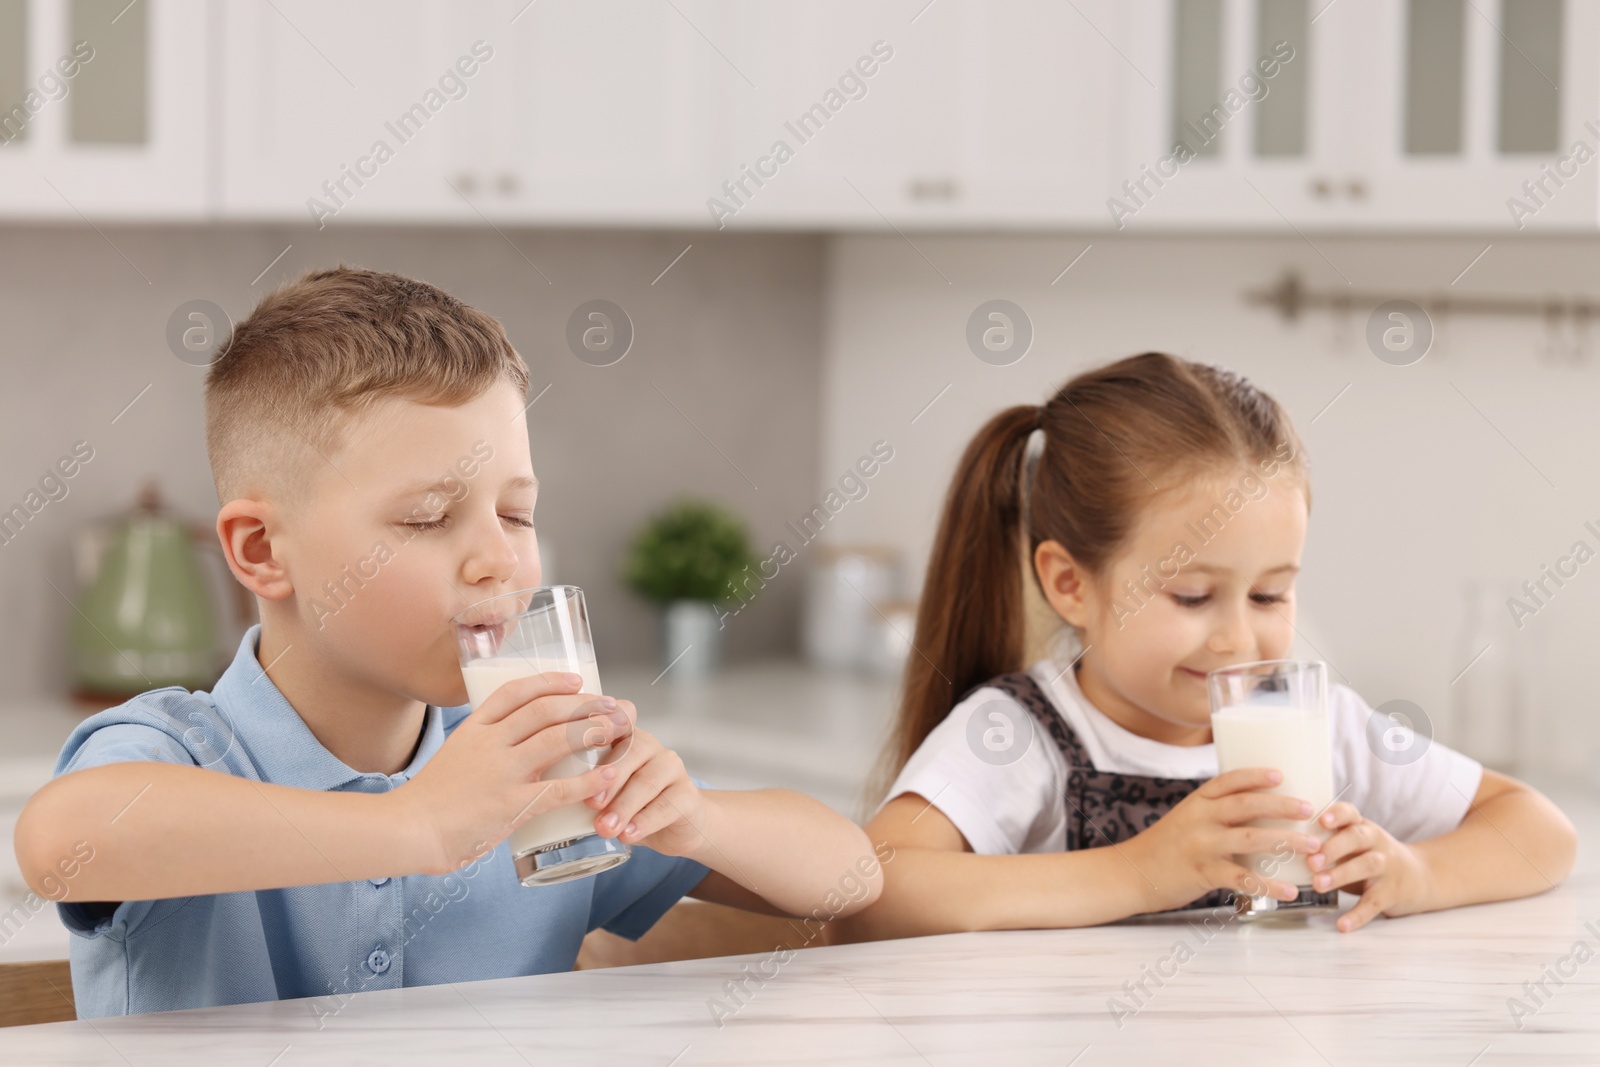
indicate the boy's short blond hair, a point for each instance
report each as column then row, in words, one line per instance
column 324, row 348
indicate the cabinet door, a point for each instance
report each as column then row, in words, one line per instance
column 1393, row 114
column 1231, row 113
column 102, row 109
column 1483, row 115
column 954, row 113
column 351, row 111
column 616, row 111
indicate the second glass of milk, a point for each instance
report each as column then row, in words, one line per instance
column 1274, row 713
column 527, row 632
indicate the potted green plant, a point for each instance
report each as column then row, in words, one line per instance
column 687, row 559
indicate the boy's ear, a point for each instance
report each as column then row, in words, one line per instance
column 1066, row 585
column 242, row 527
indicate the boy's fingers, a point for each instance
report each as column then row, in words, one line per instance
column 559, row 792
column 654, row 774
column 554, row 710
column 643, row 786
column 660, row 813
column 519, row 691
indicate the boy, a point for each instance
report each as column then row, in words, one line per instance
column 331, row 817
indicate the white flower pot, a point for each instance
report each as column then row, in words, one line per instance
column 691, row 646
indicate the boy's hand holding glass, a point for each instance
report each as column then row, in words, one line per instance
column 484, row 781
column 652, row 802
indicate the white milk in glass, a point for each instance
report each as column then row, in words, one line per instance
column 483, row 677
column 1295, row 742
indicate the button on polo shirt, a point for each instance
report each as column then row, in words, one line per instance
column 330, row 940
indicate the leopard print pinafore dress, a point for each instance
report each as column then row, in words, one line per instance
column 1103, row 807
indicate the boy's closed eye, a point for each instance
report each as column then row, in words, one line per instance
column 443, row 520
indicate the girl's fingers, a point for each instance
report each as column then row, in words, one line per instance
column 1338, row 814
column 1242, row 880
column 1236, row 780
column 1248, row 807
column 1366, row 909
column 1259, row 839
column 1366, row 865
column 1347, row 842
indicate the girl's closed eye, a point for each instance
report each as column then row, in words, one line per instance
column 1195, row 600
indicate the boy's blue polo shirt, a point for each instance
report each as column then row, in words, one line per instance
column 331, row 940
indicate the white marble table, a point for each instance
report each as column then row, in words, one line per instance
column 1427, row 989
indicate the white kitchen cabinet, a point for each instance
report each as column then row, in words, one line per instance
column 617, row 111
column 352, row 111
column 956, row 113
column 1421, row 114
column 573, row 113
column 103, row 109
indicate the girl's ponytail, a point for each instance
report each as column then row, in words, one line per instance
column 970, row 616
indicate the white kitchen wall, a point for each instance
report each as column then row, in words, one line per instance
column 1477, row 462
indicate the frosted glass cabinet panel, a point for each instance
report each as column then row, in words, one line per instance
column 103, row 109
column 1392, row 114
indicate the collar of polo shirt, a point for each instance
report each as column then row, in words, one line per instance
column 282, row 746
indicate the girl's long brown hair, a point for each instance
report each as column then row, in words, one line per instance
column 1113, row 438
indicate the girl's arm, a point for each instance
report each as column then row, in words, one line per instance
column 1512, row 842
column 935, row 884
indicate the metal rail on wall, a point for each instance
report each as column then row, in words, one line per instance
column 1290, row 297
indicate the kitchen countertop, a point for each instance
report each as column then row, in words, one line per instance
column 1426, row 989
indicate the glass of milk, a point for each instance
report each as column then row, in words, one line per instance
column 527, row 632
column 1274, row 713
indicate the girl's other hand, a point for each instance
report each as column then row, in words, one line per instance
column 1362, row 858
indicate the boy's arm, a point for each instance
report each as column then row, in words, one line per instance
column 783, row 853
column 167, row 830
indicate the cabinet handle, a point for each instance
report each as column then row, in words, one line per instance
column 467, row 183
column 508, row 184
column 933, row 189
column 1356, row 188
column 1320, row 188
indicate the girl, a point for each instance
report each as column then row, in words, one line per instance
column 1164, row 522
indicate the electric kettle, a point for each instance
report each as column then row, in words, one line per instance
column 152, row 605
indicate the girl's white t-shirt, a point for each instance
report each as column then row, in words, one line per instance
column 1021, row 806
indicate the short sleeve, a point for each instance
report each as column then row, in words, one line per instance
column 629, row 899
column 1001, row 799
column 122, row 742
column 115, row 740
column 1397, row 775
